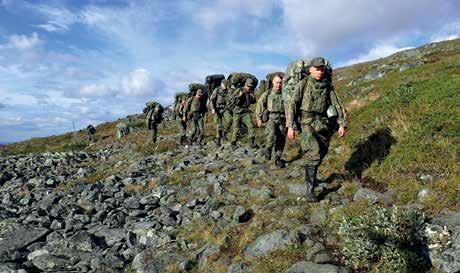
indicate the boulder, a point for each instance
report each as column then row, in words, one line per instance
column 276, row 240
column 309, row 267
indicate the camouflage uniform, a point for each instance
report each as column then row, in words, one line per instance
column 153, row 118
column 275, row 129
column 90, row 131
column 308, row 105
column 195, row 111
column 219, row 99
column 179, row 113
column 242, row 114
column 122, row 129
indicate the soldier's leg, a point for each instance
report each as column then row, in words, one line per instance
column 235, row 127
column 193, row 130
column 218, row 125
column 154, row 132
column 227, row 119
column 311, row 147
column 280, row 141
column 324, row 138
column 200, row 125
column 247, row 120
column 270, row 133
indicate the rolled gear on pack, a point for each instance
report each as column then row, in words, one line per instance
column 296, row 72
column 213, row 81
column 237, row 80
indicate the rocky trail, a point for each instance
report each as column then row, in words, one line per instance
column 56, row 215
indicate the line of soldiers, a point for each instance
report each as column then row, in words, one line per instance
column 312, row 115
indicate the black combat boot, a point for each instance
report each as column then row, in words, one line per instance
column 252, row 143
column 310, row 180
column 182, row 140
column 234, row 145
column 218, row 142
column 279, row 162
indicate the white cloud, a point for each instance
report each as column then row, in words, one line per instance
column 23, row 42
column 96, row 90
column 59, row 18
column 139, row 82
column 319, row 26
column 15, row 98
column 11, row 121
column 448, row 32
column 378, row 52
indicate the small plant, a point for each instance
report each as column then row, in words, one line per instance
column 390, row 240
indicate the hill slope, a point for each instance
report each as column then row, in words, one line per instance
column 128, row 205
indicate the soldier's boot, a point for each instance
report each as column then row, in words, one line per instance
column 310, row 180
column 234, row 145
column 252, row 142
column 182, row 140
column 267, row 154
column 279, row 162
column 200, row 140
column 218, row 142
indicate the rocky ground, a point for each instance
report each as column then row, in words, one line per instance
column 199, row 209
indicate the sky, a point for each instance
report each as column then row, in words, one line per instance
column 72, row 63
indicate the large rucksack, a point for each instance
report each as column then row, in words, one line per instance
column 213, row 81
column 177, row 100
column 237, row 80
column 296, row 72
column 151, row 114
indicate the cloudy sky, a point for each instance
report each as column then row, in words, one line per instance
column 65, row 62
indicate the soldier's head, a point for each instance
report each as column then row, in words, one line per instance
column 317, row 68
column 224, row 84
column 249, row 84
column 277, row 83
column 199, row 93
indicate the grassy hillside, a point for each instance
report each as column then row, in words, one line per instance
column 404, row 124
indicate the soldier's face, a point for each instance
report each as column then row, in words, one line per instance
column 249, row 88
column 223, row 86
column 317, row 72
column 277, row 84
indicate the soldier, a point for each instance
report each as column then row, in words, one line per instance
column 153, row 118
column 179, row 108
column 122, row 129
column 270, row 110
column 90, row 130
column 243, row 99
column 194, row 112
column 313, row 103
column 220, row 110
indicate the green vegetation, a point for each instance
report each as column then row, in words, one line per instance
column 385, row 240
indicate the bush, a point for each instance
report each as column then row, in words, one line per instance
column 390, row 240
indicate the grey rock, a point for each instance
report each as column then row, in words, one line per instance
column 423, row 194
column 309, row 267
column 242, row 215
column 276, row 240
column 147, row 262
column 238, row 267
column 444, row 242
column 366, row 194
column 149, row 200
column 111, row 235
column 297, row 188
column 263, row 193
column 318, row 216
column 15, row 237
column 425, row 178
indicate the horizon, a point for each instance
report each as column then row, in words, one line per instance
column 62, row 60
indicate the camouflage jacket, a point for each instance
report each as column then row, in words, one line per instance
column 155, row 113
column 313, row 97
column 219, row 99
column 242, row 104
column 272, row 101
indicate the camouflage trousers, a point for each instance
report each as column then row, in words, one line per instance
column 315, row 144
column 275, row 132
column 242, row 118
column 196, row 127
column 182, row 127
column 221, row 119
column 154, row 129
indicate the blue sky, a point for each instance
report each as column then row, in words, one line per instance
column 80, row 62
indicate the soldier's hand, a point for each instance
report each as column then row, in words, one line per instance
column 213, row 111
column 241, row 94
column 291, row 133
column 259, row 122
column 342, row 131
